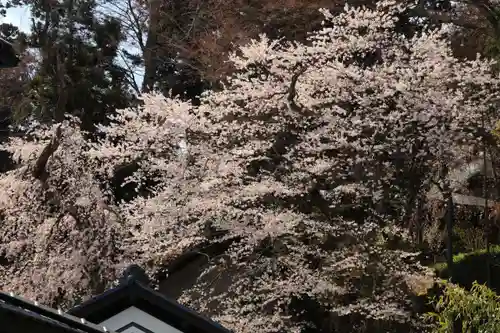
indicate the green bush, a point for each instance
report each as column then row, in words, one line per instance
column 469, row 239
column 472, row 266
column 477, row 310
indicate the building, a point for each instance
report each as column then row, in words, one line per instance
column 131, row 307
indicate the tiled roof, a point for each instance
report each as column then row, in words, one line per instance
column 133, row 291
column 16, row 307
column 20, row 315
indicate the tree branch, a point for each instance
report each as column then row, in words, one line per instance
column 292, row 92
column 39, row 171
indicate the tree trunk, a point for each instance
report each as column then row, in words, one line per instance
column 151, row 47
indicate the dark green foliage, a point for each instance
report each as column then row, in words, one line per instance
column 79, row 72
column 470, row 267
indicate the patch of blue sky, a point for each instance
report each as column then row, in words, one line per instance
column 21, row 17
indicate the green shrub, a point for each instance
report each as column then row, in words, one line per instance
column 472, row 266
column 470, row 239
column 477, row 310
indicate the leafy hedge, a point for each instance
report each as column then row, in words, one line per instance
column 472, row 266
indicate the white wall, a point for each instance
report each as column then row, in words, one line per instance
column 140, row 317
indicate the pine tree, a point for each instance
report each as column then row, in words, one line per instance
column 78, row 71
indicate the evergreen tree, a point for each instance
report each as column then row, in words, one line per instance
column 78, row 71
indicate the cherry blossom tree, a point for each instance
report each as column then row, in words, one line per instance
column 300, row 163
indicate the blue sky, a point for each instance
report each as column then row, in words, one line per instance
column 19, row 17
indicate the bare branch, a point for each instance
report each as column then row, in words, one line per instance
column 39, row 171
column 292, row 92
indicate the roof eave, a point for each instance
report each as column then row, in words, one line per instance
column 131, row 294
